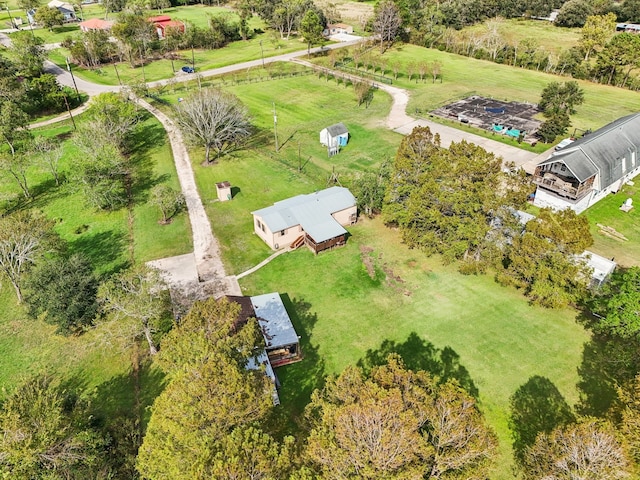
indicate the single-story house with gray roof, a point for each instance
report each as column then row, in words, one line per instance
column 590, row 168
column 316, row 219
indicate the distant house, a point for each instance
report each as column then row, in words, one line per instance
column 65, row 8
column 316, row 219
column 95, row 24
column 336, row 135
column 163, row 23
column 593, row 166
column 336, row 29
column 628, row 27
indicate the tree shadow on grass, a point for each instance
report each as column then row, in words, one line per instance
column 122, row 407
column 537, row 406
column 419, row 354
column 607, row 362
column 101, row 248
column 298, row 380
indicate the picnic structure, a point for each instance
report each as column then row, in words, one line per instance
column 95, row 24
column 590, row 168
column 334, row 136
column 162, row 23
column 282, row 344
column 315, row 219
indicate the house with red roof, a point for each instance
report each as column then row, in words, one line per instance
column 163, row 22
column 96, row 24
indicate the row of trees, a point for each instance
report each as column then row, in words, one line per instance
column 602, row 55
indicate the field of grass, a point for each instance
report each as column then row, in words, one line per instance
column 235, row 52
column 30, row 346
column 607, row 212
column 552, row 38
column 466, row 327
column 463, row 77
column 304, row 106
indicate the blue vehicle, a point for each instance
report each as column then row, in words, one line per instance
column 188, row 69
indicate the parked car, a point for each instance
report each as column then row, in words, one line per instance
column 564, row 143
column 188, row 69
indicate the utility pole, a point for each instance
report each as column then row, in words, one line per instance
column 66, row 102
column 262, row 53
column 73, row 78
column 275, row 125
column 117, row 74
column 13, row 25
column 193, row 59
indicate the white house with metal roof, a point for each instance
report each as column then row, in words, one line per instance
column 316, row 219
column 593, row 166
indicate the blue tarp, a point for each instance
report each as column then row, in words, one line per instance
column 494, row 110
column 343, row 141
column 514, row 132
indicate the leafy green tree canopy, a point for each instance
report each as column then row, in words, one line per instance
column 46, row 433
column 617, row 305
column 65, row 290
column 396, row 424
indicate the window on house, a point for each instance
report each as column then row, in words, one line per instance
column 262, row 227
column 563, row 168
column 282, row 233
column 258, row 224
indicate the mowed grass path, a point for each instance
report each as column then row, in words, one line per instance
column 469, row 321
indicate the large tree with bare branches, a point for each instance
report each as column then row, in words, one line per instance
column 214, row 119
column 24, row 237
column 387, row 22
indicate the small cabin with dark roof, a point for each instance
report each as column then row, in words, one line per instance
column 590, row 168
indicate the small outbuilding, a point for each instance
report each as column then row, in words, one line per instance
column 224, row 191
column 163, row 23
column 600, row 266
column 334, row 136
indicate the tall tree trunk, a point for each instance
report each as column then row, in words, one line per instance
column 147, row 333
column 207, row 152
column 18, row 290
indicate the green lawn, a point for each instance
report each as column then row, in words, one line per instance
column 463, row 77
column 441, row 320
column 235, row 52
column 552, row 38
column 607, row 212
column 304, row 106
column 29, row 346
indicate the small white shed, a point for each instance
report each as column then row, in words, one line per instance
column 335, row 135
